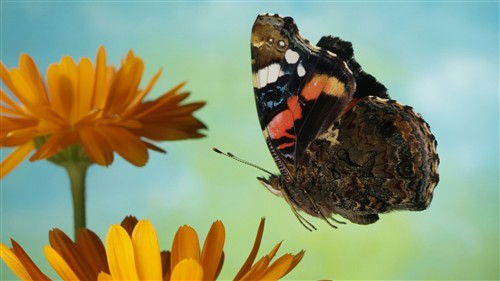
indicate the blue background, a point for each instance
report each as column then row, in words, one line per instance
column 441, row 58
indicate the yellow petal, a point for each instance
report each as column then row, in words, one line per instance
column 59, row 264
column 188, row 269
column 185, row 246
column 11, row 260
column 253, row 253
column 147, row 251
column 212, row 250
column 104, row 277
column 15, row 158
column 120, row 254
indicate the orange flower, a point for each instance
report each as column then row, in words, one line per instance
column 132, row 253
column 95, row 108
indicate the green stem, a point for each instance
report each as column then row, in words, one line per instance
column 77, row 171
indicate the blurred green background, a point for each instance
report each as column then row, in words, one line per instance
column 441, row 58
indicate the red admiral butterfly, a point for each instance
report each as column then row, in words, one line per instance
column 341, row 145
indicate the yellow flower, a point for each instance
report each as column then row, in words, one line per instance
column 132, row 253
column 97, row 108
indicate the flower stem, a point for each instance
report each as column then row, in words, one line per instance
column 77, row 171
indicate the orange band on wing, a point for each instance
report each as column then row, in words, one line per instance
column 323, row 83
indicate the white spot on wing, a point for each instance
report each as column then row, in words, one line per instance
column 291, row 56
column 301, row 70
column 262, row 78
column 273, row 73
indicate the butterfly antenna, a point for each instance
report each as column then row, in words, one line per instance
column 234, row 157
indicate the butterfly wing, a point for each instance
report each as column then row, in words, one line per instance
column 366, row 84
column 300, row 89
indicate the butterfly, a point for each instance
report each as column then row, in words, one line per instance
column 341, row 144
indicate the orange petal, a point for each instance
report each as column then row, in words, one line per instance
column 185, row 246
column 147, row 251
column 92, row 250
column 188, row 269
column 27, row 94
column 55, row 143
column 15, row 158
column 4, row 98
column 128, row 145
column 120, row 254
column 138, row 98
column 96, row 146
column 68, row 251
column 11, row 260
column 59, row 264
column 125, row 84
column 101, row 76
column 253, row 253
column 30, row 71
column 30, row 266
column 296, row 259
column 212, row 250
column 273, row 251
column 278, row 268
column 85, row 94
column 68, row 87
column 257, row 270
column 129, row 223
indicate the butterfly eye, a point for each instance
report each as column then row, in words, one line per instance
column 281, row 45
column 270, row 41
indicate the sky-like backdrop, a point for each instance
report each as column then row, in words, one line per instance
column 442, row 58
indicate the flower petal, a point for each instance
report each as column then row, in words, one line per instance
column 257, row 270
column 129, row 223
column 28, row 264
column 59, row 264
column 212, row 250
column 11, row 260
column 30, row 71
column 253, row 253
column 85, row 94
column 96, row 146
column 128, row 145
column 188, row 269
column 147, row 251
column 92, row 250
column 278, row 268
column 104, row 277
column 15, row 158
column 120, row 254
column 101, row 84
column 185, row 246
column 61, row 243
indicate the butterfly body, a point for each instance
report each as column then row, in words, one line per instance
column 341, row 146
